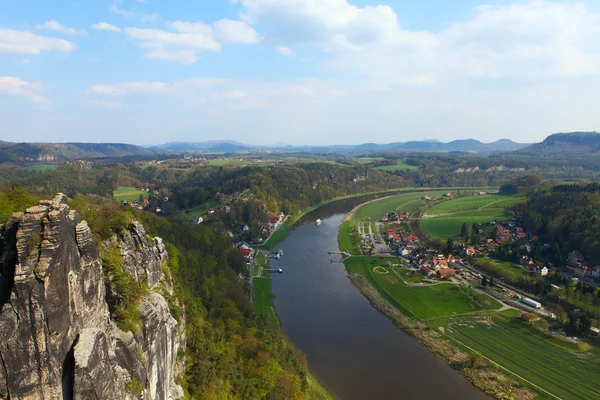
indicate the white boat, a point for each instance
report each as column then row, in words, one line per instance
column 318, row 222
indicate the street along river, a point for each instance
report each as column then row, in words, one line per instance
column 354, row 351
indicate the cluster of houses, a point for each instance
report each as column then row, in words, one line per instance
column 272, row 224
column 136, row 204
column 576, row 264
column 245, row 249
column 433, row 264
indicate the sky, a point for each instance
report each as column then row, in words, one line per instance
column 315, row 72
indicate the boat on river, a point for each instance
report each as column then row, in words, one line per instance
column 318, row 222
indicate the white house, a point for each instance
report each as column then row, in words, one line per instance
column 198, row 220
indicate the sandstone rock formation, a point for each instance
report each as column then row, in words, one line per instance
column 57, row 340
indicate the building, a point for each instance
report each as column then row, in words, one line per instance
column 531, row 303
column 198, row 220
column 426, row 271
column 446, row 273
column 540, row 271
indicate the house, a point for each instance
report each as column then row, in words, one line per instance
column 384, row 218
column 246, row 252
column 230, row 233
column 412, row 238
column 446, row 273
column 576, row 256
column 596, row 272
column 211, row 210
column 581, row 270
column 402, row 251
column 594, row 331
column 403, row 215
column 540, row 271
column 470, row 251
column 274, row 220
column 426, row 271
column 246, row 228
column 198, row 220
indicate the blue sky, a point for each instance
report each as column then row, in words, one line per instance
column 298, row 71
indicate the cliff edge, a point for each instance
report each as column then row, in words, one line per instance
column 57, row 339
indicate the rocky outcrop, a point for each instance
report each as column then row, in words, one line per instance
column 57, row 340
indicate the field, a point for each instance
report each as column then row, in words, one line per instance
column 551, row 364
column 345, row 241
column 128, row 194
column 474, row 203
column 368, row 160
column 402, row 202
column 399, row 166
column 42, row 167
column 234, row 162
column 423, row 302
column 201, row 209
column 449, row 226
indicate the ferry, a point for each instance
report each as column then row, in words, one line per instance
column 318, row 222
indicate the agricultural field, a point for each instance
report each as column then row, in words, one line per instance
column 128, row 194
column 449, row 226
column 556, row 366
column 402, row 202
column 399, row 166
column 488, row 201
column 49, row 167
column 421, row 301
column 444, row 220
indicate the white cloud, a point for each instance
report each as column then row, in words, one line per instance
column 182, row 44
column 285, row 51
column 55, row 26
column 146, row 18
column 231, row 31
column 128, row 88
column 13, row 85
column 528, row 40
column 104, row 26
column 24, row 42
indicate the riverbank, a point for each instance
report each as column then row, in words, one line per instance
column 263, row 306
column 278, row 235
column 482, row 375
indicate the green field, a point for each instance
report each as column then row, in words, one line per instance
column 555, row 366
column 234, row 162
column 487, row 201
column 449, row 226
column 48, row 167
column 423, row 302
column 368, row 160
column 402, row 202
column 470, row 210
column 201, row 209
column 128, row 194
column 345, row 241
column 399, row 166
column 261, row 288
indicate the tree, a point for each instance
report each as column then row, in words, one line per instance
column 449, row 246
column 484, row 281
column 492, row 283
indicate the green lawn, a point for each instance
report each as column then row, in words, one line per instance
column 202, row 209
column 551, row 364
column 128, row 194
column 449, row 226
column 345, row 241
column 42, row 167
column 402, row 202
column 475, row 203
column 422, row 302
column 399, row 166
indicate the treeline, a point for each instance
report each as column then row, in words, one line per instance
column 568, row 216
column 231, row 352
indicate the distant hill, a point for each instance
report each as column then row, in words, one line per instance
column 57, row 152
column 573, row 144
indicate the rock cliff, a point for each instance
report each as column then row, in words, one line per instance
column 57, row 340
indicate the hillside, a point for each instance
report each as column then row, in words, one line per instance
column 57, row 152
column 573, row 144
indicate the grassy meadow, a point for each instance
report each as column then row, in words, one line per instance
column 473, row 203
column 128, row 194
column 399, row 166
column 402, row 202
column 49, row 167
column 554, row 365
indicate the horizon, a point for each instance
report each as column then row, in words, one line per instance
column 315, row 73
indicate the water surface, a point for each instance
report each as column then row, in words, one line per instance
column 355, row 351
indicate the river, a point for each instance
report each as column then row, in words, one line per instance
column 354, row 351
